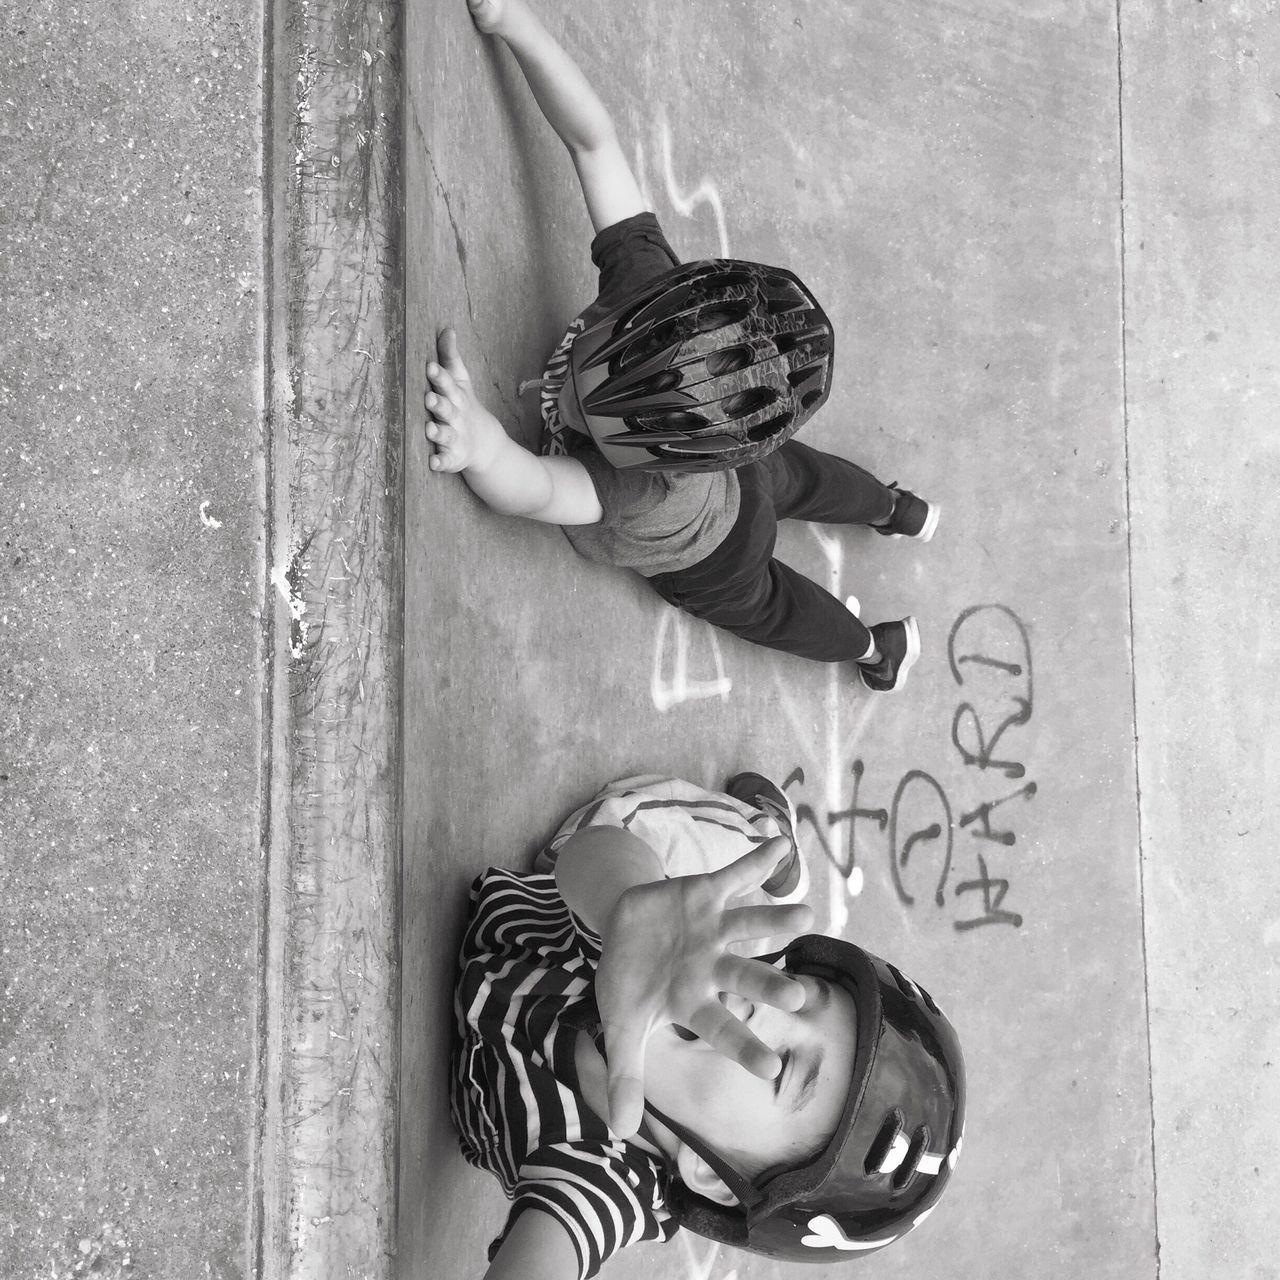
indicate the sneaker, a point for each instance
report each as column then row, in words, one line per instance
column 790, row 879
column 899, row 645
column 912, row 517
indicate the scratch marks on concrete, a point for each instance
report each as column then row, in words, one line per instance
column 460, row 244
column 325, row 1165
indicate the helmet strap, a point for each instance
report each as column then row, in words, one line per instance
column 748, row 1195
column 586, row 1017
column 737, row 1182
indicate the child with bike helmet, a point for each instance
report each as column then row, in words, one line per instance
column 669, row 409
column 626, row 1064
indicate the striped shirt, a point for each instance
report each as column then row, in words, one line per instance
column 525, row 991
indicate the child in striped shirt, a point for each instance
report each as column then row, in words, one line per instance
column 628, row 1063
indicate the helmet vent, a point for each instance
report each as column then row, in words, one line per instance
column 912, row 990
column 784, row 294
column 888, row 1147
column 910, row 1165
column 729, row 280
column 646, row 345
column 809, row 399
column 780, row 306
column 653, row 304
column 730, row 360
column 768, row 430
column 674, row 420
column 743, row 404
column 723, row 314
column 786, row 300
column 905, row 985
column 785, row 343
column 666, row 380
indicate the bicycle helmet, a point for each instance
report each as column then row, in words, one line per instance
column 710, row 366
column 893, row 1151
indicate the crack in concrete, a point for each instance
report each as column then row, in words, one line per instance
column 1133, row 656
column 510, row 407
column 458, row 241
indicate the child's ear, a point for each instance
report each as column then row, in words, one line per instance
column 701, row 1178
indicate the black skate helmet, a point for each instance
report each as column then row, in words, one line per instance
column 896, row 1144
column 710, row 366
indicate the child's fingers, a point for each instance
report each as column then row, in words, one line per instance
column 440, row 408
column 724, row 1033
column 446, row 460
column 626, row 1105
column 624, row 1043
column 755, row 980
column 441, row 434
column 443, row 383
column 447, row 353
column 447, row 344
column 753, row 868
column 446, row 455
column 767, row 921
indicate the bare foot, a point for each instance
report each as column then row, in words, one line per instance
column 486, row 14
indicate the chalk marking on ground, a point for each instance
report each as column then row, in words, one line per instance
column 679, row 689
column 705, row 192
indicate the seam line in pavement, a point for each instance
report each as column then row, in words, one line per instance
column 1133, row 657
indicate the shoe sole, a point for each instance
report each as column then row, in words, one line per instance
column 801, row 892
column 909, row 659
column 930, row 524
column 771, row 791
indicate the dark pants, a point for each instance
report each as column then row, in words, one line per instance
column 743, row 589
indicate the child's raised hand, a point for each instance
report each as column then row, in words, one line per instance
column 667, row 959
column 463, row 433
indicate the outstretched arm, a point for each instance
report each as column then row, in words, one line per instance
column 467, row 438
column 667, row 953
column 536, row 1248
column 571, row 106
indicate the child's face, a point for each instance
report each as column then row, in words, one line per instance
column 766, row 1121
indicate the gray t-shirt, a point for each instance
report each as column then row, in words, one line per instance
column 654, row 521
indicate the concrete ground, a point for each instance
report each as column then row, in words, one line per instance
column 1046, row 237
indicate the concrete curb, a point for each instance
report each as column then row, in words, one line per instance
column 324, row 1184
